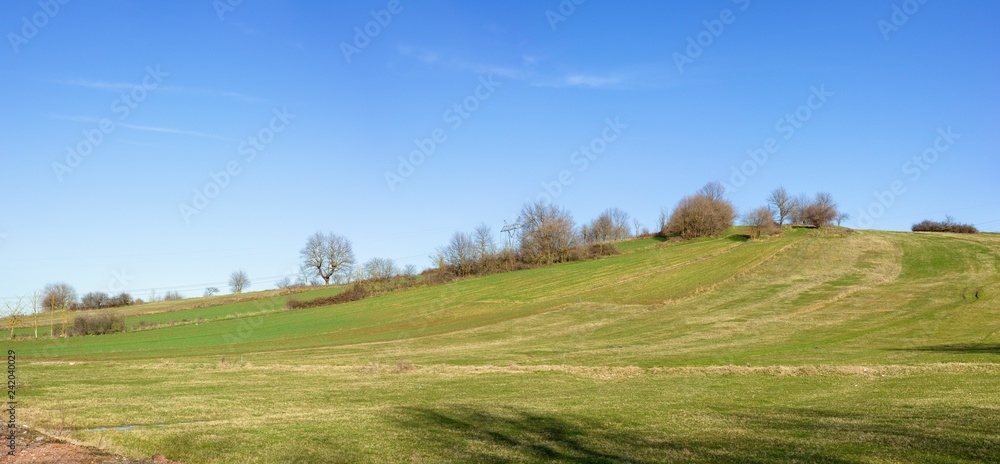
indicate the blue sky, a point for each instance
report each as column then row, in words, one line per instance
column 312, row 117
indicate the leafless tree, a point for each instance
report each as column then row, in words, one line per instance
column 797, row 208
column 211, row 291
column 95, row 300
column 327, row 255
column 713, row 191
column 703, row 214
column 34, row 310
column 284, row 283
column 664, row 219
column 486, row 245
column 610, row 226
column 781, row 202
column 238, row 281
column 820, row 212
column 842, row 216
column 380, row 269
column 760, row 221
column 460, row 254
column 548, row 233
column 409, row 270
column 58, row 295
column 15, row 314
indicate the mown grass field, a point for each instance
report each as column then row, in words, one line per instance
column 850, row 347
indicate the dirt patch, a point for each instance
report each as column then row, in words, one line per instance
column 37, row 448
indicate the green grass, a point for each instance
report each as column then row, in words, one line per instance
column 809, row 347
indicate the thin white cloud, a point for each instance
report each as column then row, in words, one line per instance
column 157, row 129
column 99, row 85
column 648, row 75
column 583, row 81
column 170, row 130
column 420, row 54
column 125, row 87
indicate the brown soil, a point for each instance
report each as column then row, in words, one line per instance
column 37, row 448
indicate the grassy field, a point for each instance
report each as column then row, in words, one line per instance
column 809, row 347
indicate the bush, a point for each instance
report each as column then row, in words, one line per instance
column 172, row 295
column 704, row 214
column 948, row 225
column 761, row 222
column 100, row 300
column 356, row 292
column 97, row 324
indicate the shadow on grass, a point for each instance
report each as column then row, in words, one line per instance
column 964, row 348
column 468, row 434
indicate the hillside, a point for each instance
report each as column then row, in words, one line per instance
column 850, row 346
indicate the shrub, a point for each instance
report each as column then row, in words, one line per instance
column 704, row 214
column 948, row 225
column 356, row 292
column 761, row 222
column 97, row 324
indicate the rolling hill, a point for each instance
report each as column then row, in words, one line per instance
column 834, row 346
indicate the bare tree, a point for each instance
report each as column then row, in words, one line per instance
column 797, row 208
column 760, row 221
column 284, row 283
column 821, row 212
column 58, row 295
column 15, row 313
column 380, row 269
column 460, row 254
column 95, row 300
column 781, row 202
column 34, row 310
column 211, row 291
column 703, row 214
column 409, row 270
column 548, row 233
column 238, row 281
column 664, row 219
column 486, row 245
column 713, row 191
column 842, row 216
column 327, row 255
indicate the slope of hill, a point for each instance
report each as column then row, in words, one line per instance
column 864, row 346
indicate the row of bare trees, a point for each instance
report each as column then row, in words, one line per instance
column 818, row 211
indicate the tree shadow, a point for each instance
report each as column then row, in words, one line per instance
column 953, row 434
column 965, row 348
column 508, row 434
column 512, row 435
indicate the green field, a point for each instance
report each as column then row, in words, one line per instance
column 809, row 347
